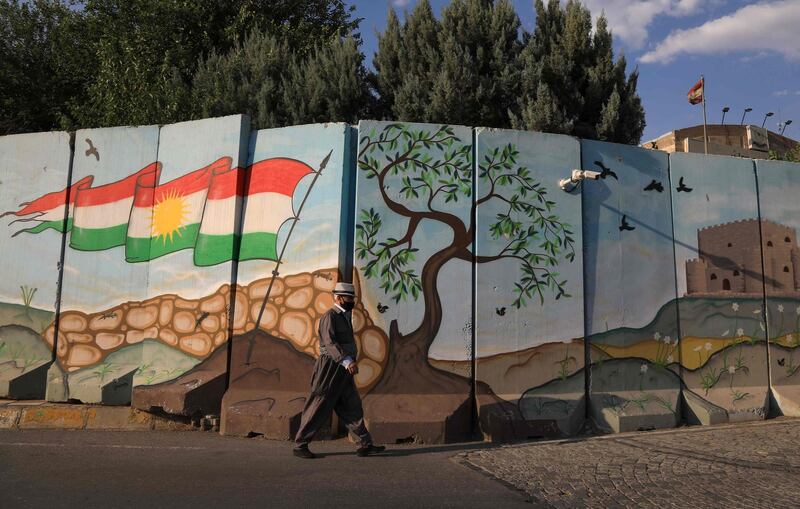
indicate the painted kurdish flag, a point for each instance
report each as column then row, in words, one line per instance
column 197, row 211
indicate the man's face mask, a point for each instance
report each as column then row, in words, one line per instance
column 348, row 305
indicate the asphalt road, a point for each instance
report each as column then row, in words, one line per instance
column 90, row 469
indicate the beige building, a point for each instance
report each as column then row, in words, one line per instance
column 729, row 140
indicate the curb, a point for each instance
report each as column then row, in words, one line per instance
column 40, row 415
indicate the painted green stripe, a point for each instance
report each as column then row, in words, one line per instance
column 48, row 225
column 138, row 249
column 259, row 246
column 214, row 249
column 97, row 239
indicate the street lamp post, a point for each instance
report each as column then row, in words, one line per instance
column 746, row 111
column 785, row 124
column 724, row 111
column 769, row 114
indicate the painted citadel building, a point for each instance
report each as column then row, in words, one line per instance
column 730, row 259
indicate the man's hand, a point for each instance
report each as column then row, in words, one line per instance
column 352, row 368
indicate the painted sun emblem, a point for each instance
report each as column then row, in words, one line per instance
column 168, row 216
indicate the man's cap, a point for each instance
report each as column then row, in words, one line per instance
column 345, row 289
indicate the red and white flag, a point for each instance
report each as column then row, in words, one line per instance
column 695, row 94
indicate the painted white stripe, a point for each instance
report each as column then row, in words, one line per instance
column 219, row 217
column 266, row 212
column 54, row 214
column 141, row 217
column 103, row 216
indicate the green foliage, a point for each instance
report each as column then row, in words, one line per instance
column 46, row 64
column 792, row 155
column 476, row 67
column 330, row 85
column 432, row 169
column 89, row 63
column 533, row 233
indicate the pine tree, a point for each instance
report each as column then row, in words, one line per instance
column 330, row 85
column 248, row 79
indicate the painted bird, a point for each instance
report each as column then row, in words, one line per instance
column 606, row 171
column 381, row 308
column 655, row 185
column 500, row 311
column 682, row 187
column 623, row 225
column 92, row 151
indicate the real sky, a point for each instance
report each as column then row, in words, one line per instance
column 748, row 52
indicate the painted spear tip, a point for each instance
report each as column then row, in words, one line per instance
column 325, row 161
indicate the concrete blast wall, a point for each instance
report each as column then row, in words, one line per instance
column 185, row 268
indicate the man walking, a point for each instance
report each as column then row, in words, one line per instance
column 332, row 385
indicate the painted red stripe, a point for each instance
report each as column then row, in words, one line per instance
column 277, row 175
column 226, row 183
column 55, row 199
column 116, row 191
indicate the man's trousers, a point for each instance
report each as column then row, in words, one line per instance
column 332, row 390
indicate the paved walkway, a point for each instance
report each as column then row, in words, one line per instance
column 744, row 465
column 134, row 469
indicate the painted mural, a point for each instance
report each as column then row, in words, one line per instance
column 631, row 317
column 413, row 258
column 190, row 264
column 720, row 283
column 30, row 230
column 529, row 289
column 778, row 183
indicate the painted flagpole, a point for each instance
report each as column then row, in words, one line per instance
column 705, row 130
column 296, row 218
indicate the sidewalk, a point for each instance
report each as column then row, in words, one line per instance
column 43, row 415
column 742, row 465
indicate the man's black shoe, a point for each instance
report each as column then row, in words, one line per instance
column 369, row 450
column 303, row 452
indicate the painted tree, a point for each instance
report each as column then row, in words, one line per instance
column 433, row 170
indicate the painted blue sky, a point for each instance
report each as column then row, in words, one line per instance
column 747, row 51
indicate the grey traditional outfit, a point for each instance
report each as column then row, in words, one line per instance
column 332, row 387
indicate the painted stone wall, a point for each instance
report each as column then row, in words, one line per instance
column 529, row 286
column 31, row 221
column 631, row 316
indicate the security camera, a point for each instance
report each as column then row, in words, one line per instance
column 576, row 177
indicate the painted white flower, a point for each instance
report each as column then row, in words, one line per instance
column 726, row 333
column 708, row 346
column 790, row 337
column 757, row 311
column 670, row 359
column 735, row 307
column 739, row 332
column 657, row 336
column 643, row 369
column 732, row 370
column 667, row 340
column 780, row 308
column 698, row 348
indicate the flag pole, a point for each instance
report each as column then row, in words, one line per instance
column 705, row 130
column 296, row 218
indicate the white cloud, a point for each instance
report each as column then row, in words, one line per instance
column 630, row 19
column 401, row 3
column 780, row 93
column 767, row 26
